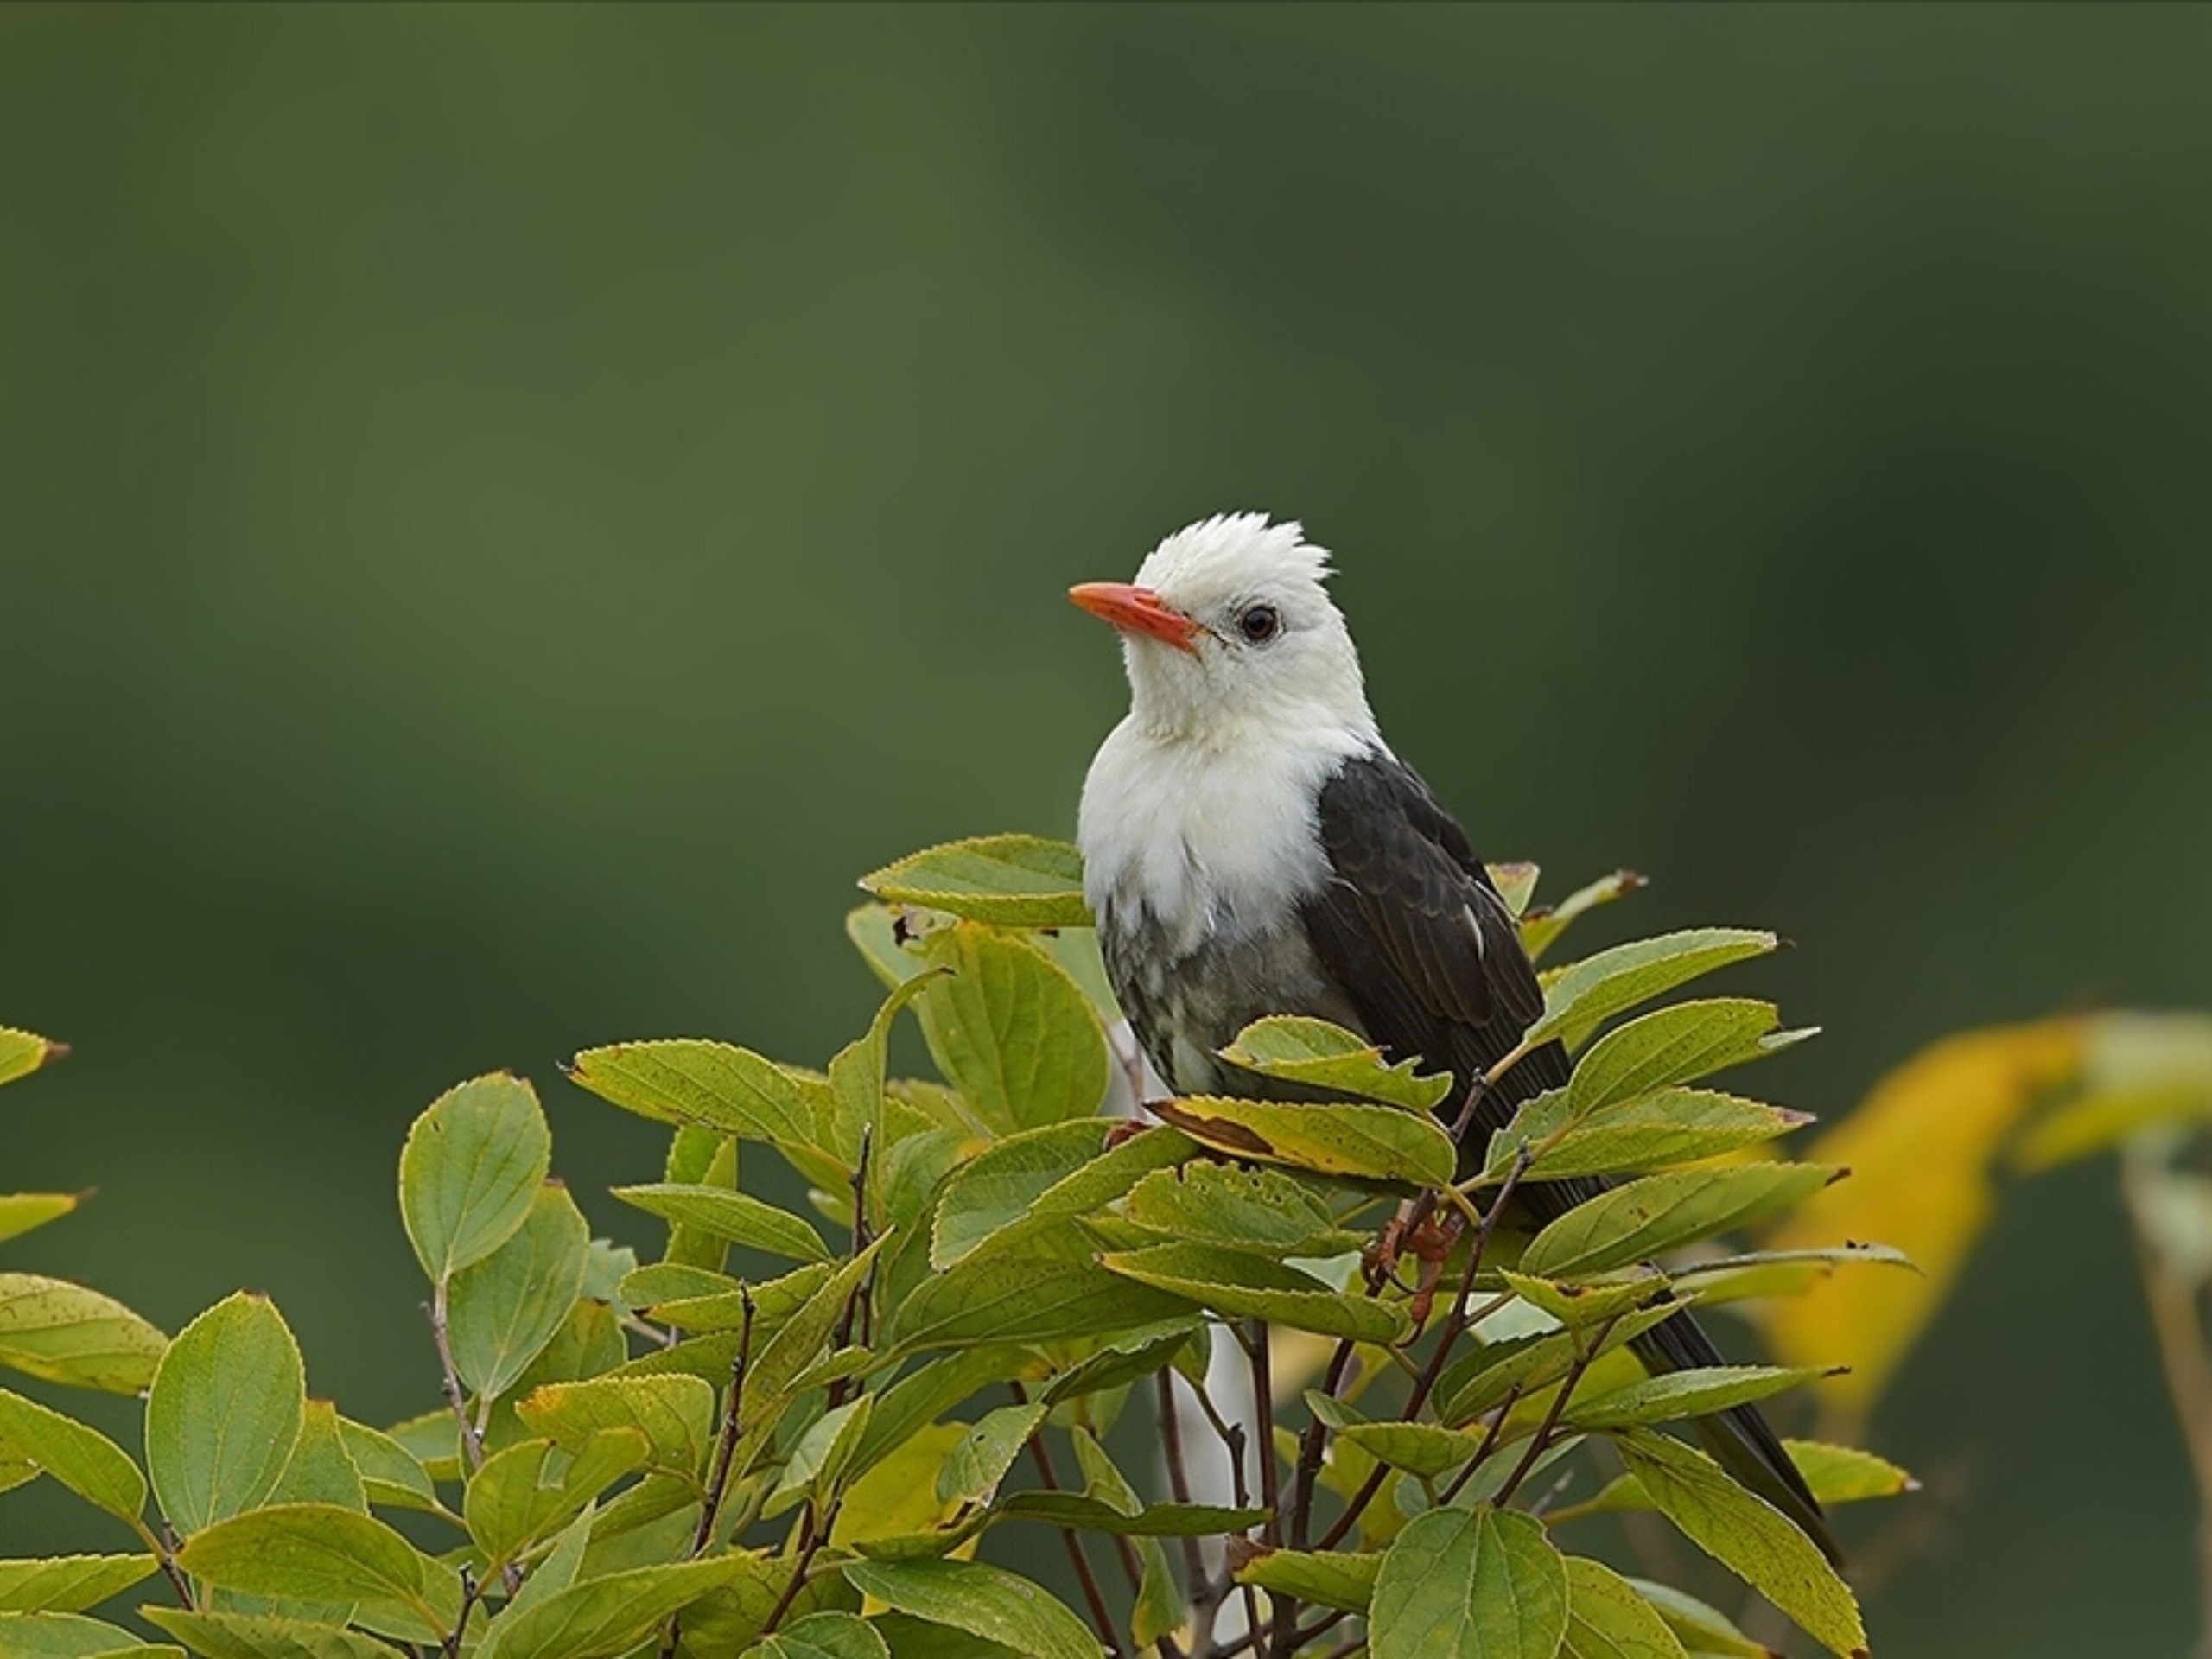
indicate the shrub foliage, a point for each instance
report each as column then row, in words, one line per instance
column 802, row 1432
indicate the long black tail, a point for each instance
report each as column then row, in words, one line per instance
column 1740, row 1438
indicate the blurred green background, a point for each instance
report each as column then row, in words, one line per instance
column 505, row 512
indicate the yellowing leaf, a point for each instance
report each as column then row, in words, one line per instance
column 1011, row 881
column 22, row 1052
column 1920, row 1149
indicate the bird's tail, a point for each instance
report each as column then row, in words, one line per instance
column 1738, row 1438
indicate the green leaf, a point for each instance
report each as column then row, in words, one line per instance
column 697, row 1157
column 822, row 1635
column 1042, row 1178
column 511, row 1505
column 971, row 1474
column 225, row 1411
column 1482, row 1584
column 1517, row 1366
column 1240, row 1206
column 1244, row 1286
column 737, row 1216
column 1704, row 1630
column 1540, row 929
column 1747, row 1536
column 1011, row 1031
column 471, row 1165
column 320, row 1470
column 1674, row 1045
column 391, row 1474
column 260, row 1635
column 1607, row 1619
column 1695, row 1392
column 1419, row 1449
column 68, row 1584
column 22, row 1052
column 1007, row 881
column 81, row 1458
column 984, row 1601
column 1577, row 1303
column 1641, row 1218
column 1093, row 1514
column 1515, row 883
column 1586, row 994
column 72, row 1635
column 1380, row 1143
column 714, row 1085
column 818, row 1464
column 505, row 1308
column 560, row 1566
column 856, row 1105
column 22, row 1211
column 1650, row 1131
column 1042, row 1286
column 313, row 1552
column 1328, row 1058
column 1330, row 1578
column 675, row 1415
column 1843, row 1474
column 62, row 1333
column 608, row 1615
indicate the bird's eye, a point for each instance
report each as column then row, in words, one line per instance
column 1259, row 624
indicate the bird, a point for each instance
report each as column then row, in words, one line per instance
column 1252, row 846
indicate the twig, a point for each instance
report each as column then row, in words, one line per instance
column 856, row 1304
column 164, row 1548
column 1425, row 1384
column 1234, row 1439
column 812, row 1536
column 470, row 1589
column 1101, row 1615
column 1310, row 1447
column 1203, row 1597
column 472, row 1438
column 726, row 1443
column 1543, row 1438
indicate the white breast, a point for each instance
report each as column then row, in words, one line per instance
column 1202, row 842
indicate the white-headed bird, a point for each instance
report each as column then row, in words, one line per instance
column 1252, row 846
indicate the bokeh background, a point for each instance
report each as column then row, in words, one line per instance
column 504, row 513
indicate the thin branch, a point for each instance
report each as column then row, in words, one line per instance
column 1234, row 1439
column 1543, row 1438
column 1204, row 1598
column 812, row 1536
column 726, row 1443
column 1310, row 1447
column 470, row 1589
column 1101, row 1615
column 164, row 1548
column 472, row 1438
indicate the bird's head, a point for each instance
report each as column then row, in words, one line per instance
column 1228, row 633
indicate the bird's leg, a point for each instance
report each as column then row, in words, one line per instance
column 1432, row 1244
column 1380, row 1260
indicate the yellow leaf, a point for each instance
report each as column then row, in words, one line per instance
column 1920, row 1149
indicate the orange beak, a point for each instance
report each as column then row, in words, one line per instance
column 1136, row 610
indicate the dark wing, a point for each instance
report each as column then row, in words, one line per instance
column 1423, row 947
column 1420, row 942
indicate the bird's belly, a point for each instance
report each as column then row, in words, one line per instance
column 1186, row 1008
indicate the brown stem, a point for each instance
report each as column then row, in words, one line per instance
column 1101, row 1615
column 1203, row 1599
column 472, row 1442
column 726, row 1443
